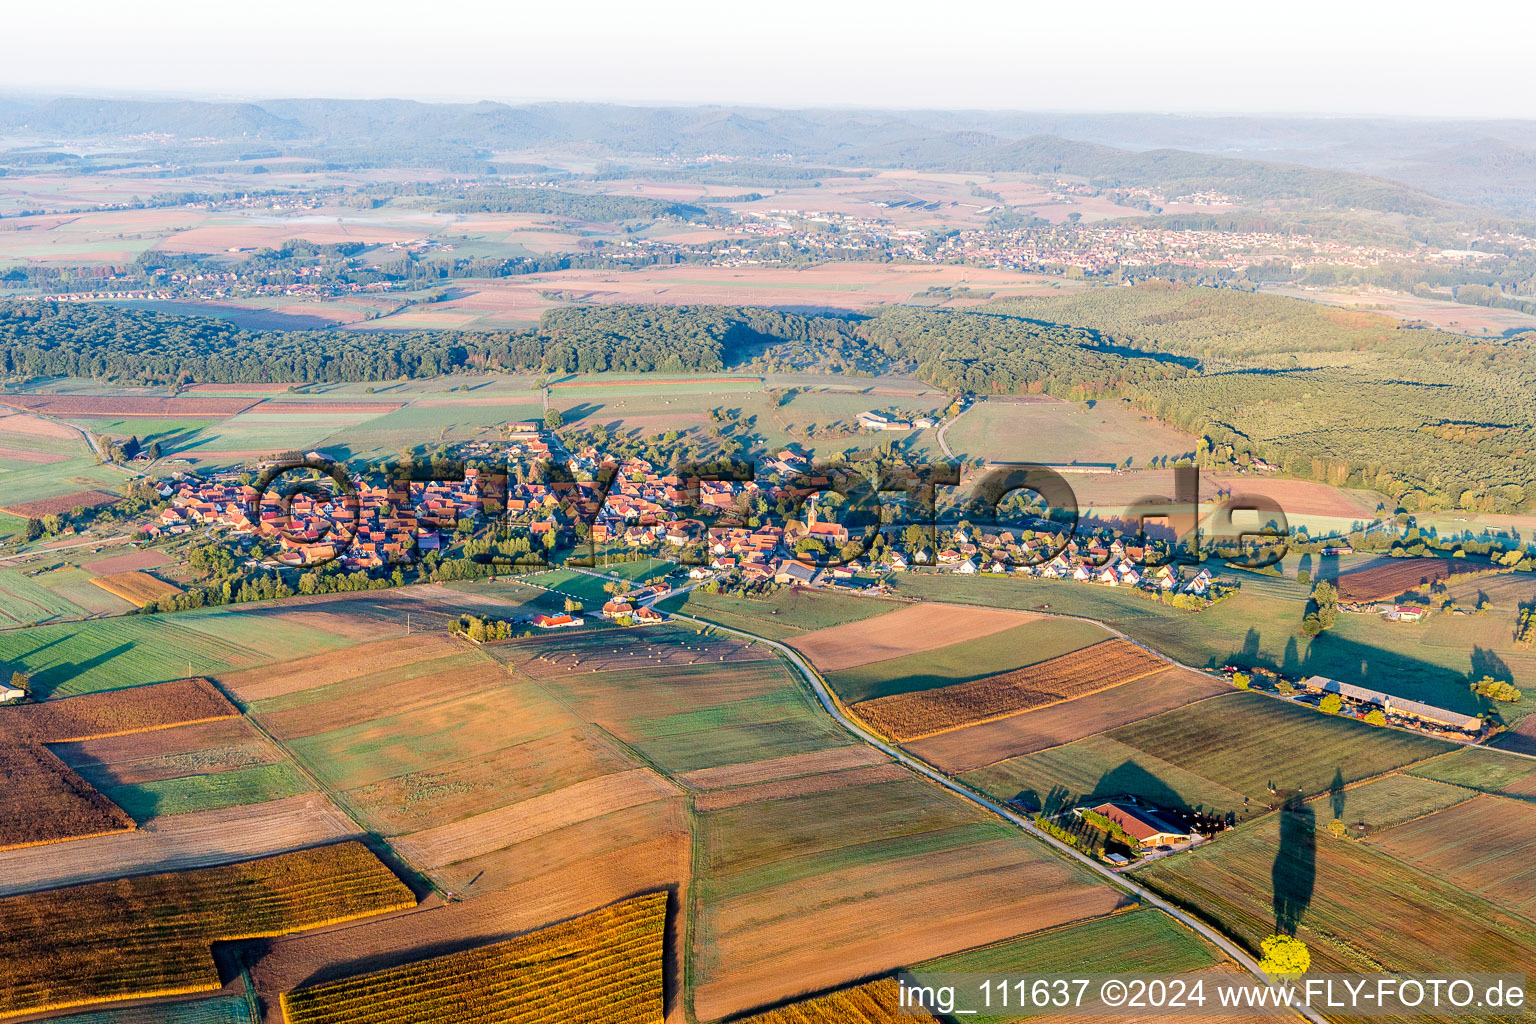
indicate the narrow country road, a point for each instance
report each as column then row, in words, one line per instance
column 944, row 428
column 832, row 708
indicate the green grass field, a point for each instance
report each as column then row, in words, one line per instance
column 22, row 482
column 1483, row 770
column 1026, row 644
column 782, row 614
column 25, row 599
column 1135, row 942
column 105, row 654
column 1393, row 800
column 218, row 1010
column 234, row 788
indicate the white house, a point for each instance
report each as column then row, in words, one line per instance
column 966, row 568
column 10, row 693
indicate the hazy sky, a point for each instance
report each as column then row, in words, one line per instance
column 1470, row 58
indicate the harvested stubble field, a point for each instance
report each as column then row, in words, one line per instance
column 980, row 745
column 799, row 893
column 1482, row 846
column 135, row 587
column 540, row 815
column 128, row 562
column 921, row 713
column 910, row 630
column 776, row 769
column 161, row 754
column 61, row 505
column 151, row 935
column 1359, row 910
column 1393, row 578
column 875, row 1002
column 178, row 843
column 335, row 666
column 604, row 967
column 44, row 800
column 943, row 664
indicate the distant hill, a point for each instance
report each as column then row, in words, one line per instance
column 1393, row 166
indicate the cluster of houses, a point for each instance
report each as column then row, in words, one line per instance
column 643, row 509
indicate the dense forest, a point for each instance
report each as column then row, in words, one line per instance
column 1435, row 420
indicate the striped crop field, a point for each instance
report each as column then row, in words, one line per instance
column 602, row 968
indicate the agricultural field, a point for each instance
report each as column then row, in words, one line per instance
column 782, row 614
column 824, row 878
column 196, row 840
column 103, row 654
column 1480, row 845
column 942, row 664
column 922, row 713
column 136, row 587
column 1356, row 909
column 1040, row 429
column 1221, row 756
column 109, row 941
column 217, row 1010
column 908, row 630
column 1483, row 770
column 875, row 1002
column 1253, row 630
column 1393, row 578
column 603, row 967
column 30, row 600
column 46, row 801
column 1385, row 802
column 979, row 745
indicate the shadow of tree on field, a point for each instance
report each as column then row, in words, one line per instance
column 1294, row 873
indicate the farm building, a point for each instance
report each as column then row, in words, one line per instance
column 555, row 621
column 10, row 693
column 1142, row 825
column 1395, row 705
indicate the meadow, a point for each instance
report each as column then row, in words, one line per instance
column 76, row 658
column 1385, row 802
column 782, row 614
column 1051, row 431
column 217, row 1010
column 1483, row 770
